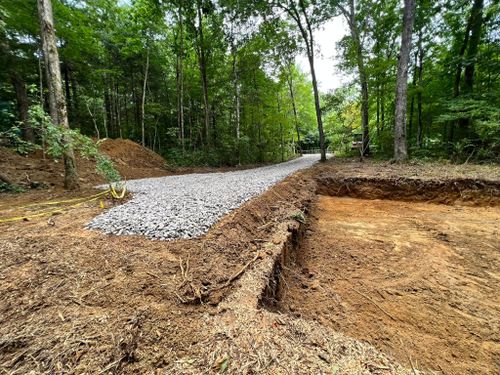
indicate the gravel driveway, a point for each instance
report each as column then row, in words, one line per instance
column 187, row 206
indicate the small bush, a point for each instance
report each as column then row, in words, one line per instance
column 56, row 139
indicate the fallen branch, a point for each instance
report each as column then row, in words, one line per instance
column 237, row 274
column 200, row 295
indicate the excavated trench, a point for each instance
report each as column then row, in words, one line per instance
column 410, row 266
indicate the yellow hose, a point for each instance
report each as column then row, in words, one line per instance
column 52, row 203
column 79, row 201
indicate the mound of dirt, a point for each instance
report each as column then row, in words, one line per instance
column 131, row 154
column 33, row 171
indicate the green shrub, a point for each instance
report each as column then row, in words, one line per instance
column 55, row 139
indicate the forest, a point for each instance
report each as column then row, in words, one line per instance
column 216, row 82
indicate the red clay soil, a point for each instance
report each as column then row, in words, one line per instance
column 418, row 281
column 125, row 152
column 78, row 301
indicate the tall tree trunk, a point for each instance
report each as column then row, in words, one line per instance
column 143, row 101
column 382, row 106
column 419, row 93
column 203, row 72
column 475, row 37
column 304, row 25
column 350, row 16
column 282, row 133
column 400, row 147
column 22, row 106
column 461, row 53
column 378, row 110
column 97, row 134
column 67, row 90
column 294, row 105
column 412, row 102
column 236, row 88
column 58, row 110
column 137, row 106
column 42, row 98
column 318, row 109
column 105, row 120
column 108, row 110
column 74, row 94
column 112, row 107
column 180, row 78
column 118, row 111
column 238, row 121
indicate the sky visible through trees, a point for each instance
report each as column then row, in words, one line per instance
column 327, row 37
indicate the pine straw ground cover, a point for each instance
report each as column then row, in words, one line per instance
column 80, row 302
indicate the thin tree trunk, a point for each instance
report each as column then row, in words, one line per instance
column 378, row 110
column 363, row 80
column 108, row 109
column 400, row 147
column 112, row 107
column 22, row 106
column 419, row 93
column 137, row 106
column 105, row 120
column 412, row 102
column 318, row 109
column 180, row 79
column 307, row 36
column 67, row 90
column 475, row 37
column 294, row 105
column 125, row 102
column 238, row 120
column 203, row 74
column 213, row 113
column 458, row 70
column 118, row 112
column 236, row 88
column 382, row 107
column 40, row 79
column 143, row 101
column 58, row 110
column 42, row 99
column 74, row 93
column 282, row 135
column 98, row 135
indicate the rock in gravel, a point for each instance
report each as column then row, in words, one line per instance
column 186, row 206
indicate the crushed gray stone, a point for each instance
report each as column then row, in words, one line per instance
column 186, row 206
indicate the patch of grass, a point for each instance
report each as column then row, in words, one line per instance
column 298, row 216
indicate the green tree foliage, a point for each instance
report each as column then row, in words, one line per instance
column 453, row 92
column 120, row 69
column 214, row 82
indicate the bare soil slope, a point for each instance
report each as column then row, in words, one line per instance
column 419, row 281
column 131, row 160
